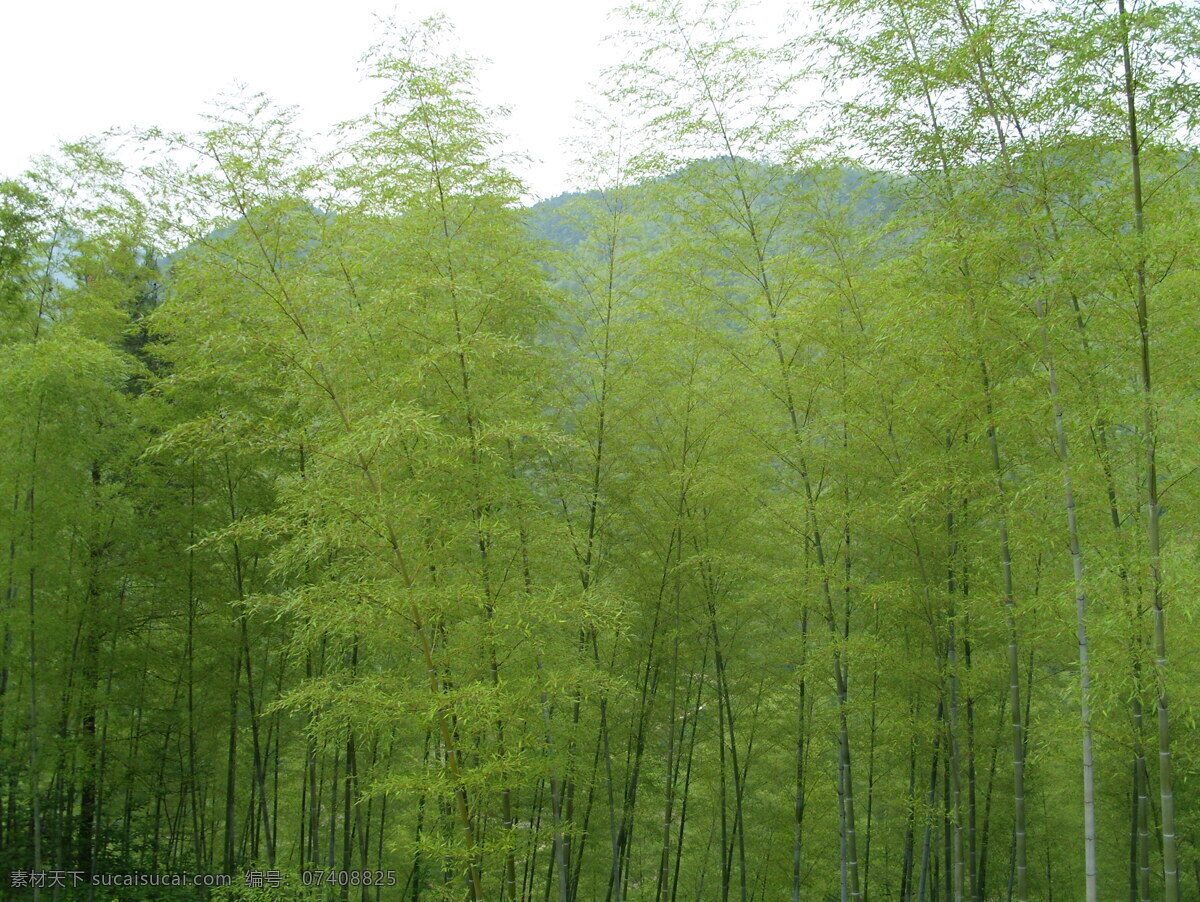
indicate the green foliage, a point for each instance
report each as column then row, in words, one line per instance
column 640, row 544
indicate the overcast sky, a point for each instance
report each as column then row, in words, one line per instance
column 73, row 68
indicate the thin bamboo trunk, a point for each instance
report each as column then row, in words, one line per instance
column 1150, row 438
column 687, row 776
column 906, row 866
column 956, row 870
column 871, row 737
column 228, row 848
column 926, row 843
column 35, row 802
column 671, row 771
column 801, row 749
column 1089, row 784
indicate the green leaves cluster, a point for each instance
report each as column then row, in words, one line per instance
column 746, row 537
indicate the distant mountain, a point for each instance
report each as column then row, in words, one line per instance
column 564, row 220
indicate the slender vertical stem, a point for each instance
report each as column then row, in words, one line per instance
column 1150, row 439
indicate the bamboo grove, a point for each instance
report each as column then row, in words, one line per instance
column 806, row 509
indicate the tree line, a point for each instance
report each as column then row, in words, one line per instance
column 805, row 509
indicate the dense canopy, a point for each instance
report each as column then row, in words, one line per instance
column 806, row 509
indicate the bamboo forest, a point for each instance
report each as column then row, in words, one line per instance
column 807, row 507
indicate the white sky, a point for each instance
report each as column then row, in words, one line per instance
column 73, row 67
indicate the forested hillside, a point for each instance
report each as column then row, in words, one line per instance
column 806, row 509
